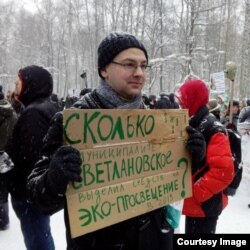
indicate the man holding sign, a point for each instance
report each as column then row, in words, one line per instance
column 122, row 65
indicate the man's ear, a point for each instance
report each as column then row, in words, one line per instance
column 104, row 73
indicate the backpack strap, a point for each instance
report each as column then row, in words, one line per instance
column 210, row 126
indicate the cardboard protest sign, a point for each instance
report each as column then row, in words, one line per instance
column 134, row 161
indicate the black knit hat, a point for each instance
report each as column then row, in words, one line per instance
column 115, row 43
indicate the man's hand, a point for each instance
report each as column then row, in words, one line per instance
column 65, row 166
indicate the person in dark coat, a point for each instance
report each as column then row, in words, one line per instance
column 244, row 115
column 122, row 61
column 57, row 102
column 163, row 102
column 145, row 100
column 33, row 89
column 214, row 108
column 166, row 101
column 235, row 116
column 212, row 173
column 70, row 100
column 8, row 119
column 85, row 91
column 174, row 104
column 152, row 101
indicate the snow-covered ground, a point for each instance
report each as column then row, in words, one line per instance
column 234, row 219
column 12, row 238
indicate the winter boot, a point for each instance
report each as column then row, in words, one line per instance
column 4, row 216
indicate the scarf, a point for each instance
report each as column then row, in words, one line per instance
column 111, row 99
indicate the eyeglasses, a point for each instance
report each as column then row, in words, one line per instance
column 131, row 67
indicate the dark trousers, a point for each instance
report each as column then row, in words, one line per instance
column 4, row 207
column 35, row 226
column 4, row 215
column 196, row 225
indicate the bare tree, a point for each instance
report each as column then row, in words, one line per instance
column 182, row 37
column 245, row 61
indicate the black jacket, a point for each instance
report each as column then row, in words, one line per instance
column 25, row 145
column 245, row 114
column 139, row 233
column 7, row 121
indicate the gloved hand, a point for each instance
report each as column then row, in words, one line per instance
column 65, row 166
column 196, row 144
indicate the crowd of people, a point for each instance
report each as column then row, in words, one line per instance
column 31, row 129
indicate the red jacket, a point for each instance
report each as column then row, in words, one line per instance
column 207, row 189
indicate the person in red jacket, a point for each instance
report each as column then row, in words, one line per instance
column 212, row 174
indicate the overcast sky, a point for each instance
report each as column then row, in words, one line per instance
column 27, row 4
